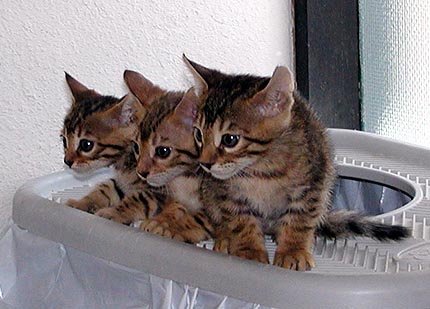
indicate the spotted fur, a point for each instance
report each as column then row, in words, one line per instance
column 268, row 168
column 168, row 125
column 108, row 124
column 111, row 124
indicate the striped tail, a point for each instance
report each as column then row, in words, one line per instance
column 343, row 224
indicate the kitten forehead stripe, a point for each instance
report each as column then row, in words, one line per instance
column 228, row 90
column 85, row 108
column 110, row 156
column 258, row 141
column 157, row 112
column 114, row 146
column 187, row 153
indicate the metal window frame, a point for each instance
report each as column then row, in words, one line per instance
column 327, row 59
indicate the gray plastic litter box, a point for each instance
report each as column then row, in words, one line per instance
column 385, row 178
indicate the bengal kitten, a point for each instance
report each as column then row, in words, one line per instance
column 98, row 131
column 269, row 169
column 166, row 154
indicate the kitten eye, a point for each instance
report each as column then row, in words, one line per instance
column 229, row 140
column 198, row 135
column 135, row 148
column 163, row 152
column 63, row 138
column 86, row 145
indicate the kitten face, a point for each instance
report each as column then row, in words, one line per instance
column 79, row 152
column 92, row 144
column 166, row 149
column 239, row 119
column 162, row 157
column 225, row 151
column 97, row 129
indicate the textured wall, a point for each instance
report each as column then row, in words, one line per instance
column 395, row 68
column 95, row 42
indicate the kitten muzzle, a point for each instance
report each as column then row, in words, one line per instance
column 216, row 173
column 206, row 166
column 69, row 163
column 142, row 175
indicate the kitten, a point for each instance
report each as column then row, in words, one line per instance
column 268, row 169
column 111, row 127
column 166, row 158
column 97, row 132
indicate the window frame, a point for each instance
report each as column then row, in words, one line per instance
column 327, row 59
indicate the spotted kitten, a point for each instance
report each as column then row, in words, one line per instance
column 268, row 169
column 106, row 127
column 166, row 159
column 97, row 132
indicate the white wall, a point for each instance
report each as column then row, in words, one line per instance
column 95, row 42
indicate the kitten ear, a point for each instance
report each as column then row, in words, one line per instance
column 200, row 73
column 141, row 87
column 186, row 110
column 79, row 91
column 126, row 112
column 277, row 97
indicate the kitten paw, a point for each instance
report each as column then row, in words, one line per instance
column 160, row 228
column 113, row 215
column 298, row 260
column 221, row 245
column 254, row 255
column 78, row 204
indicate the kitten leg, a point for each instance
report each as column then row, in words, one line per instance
column 295, row 234
column 160, row 228
column 204, row 223
column 104, row 195
column 243, row 237
column 294, row 247
column 221, row 245
column 134, row 207
column 295, row 230
column 176, row 222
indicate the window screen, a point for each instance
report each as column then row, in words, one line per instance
column 395, row 68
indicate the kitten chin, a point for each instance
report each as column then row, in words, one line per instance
column 86, row 169
column 228, row 170
column 164, row 178
column 221, row 174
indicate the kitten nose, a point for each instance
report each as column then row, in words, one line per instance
column 69, row 163
column 207, row 165
column 142, row 174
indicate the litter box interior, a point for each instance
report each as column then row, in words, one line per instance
column 382, row 178
column 371, row 192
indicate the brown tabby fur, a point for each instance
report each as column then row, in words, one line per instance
column 276, row 180
column 111, row 124
column 275, row 177
column 170, row 125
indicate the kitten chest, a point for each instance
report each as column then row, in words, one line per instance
column 263, row 195
column 128, row 181
column 185, row 191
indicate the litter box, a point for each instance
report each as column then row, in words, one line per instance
column 54, row 256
